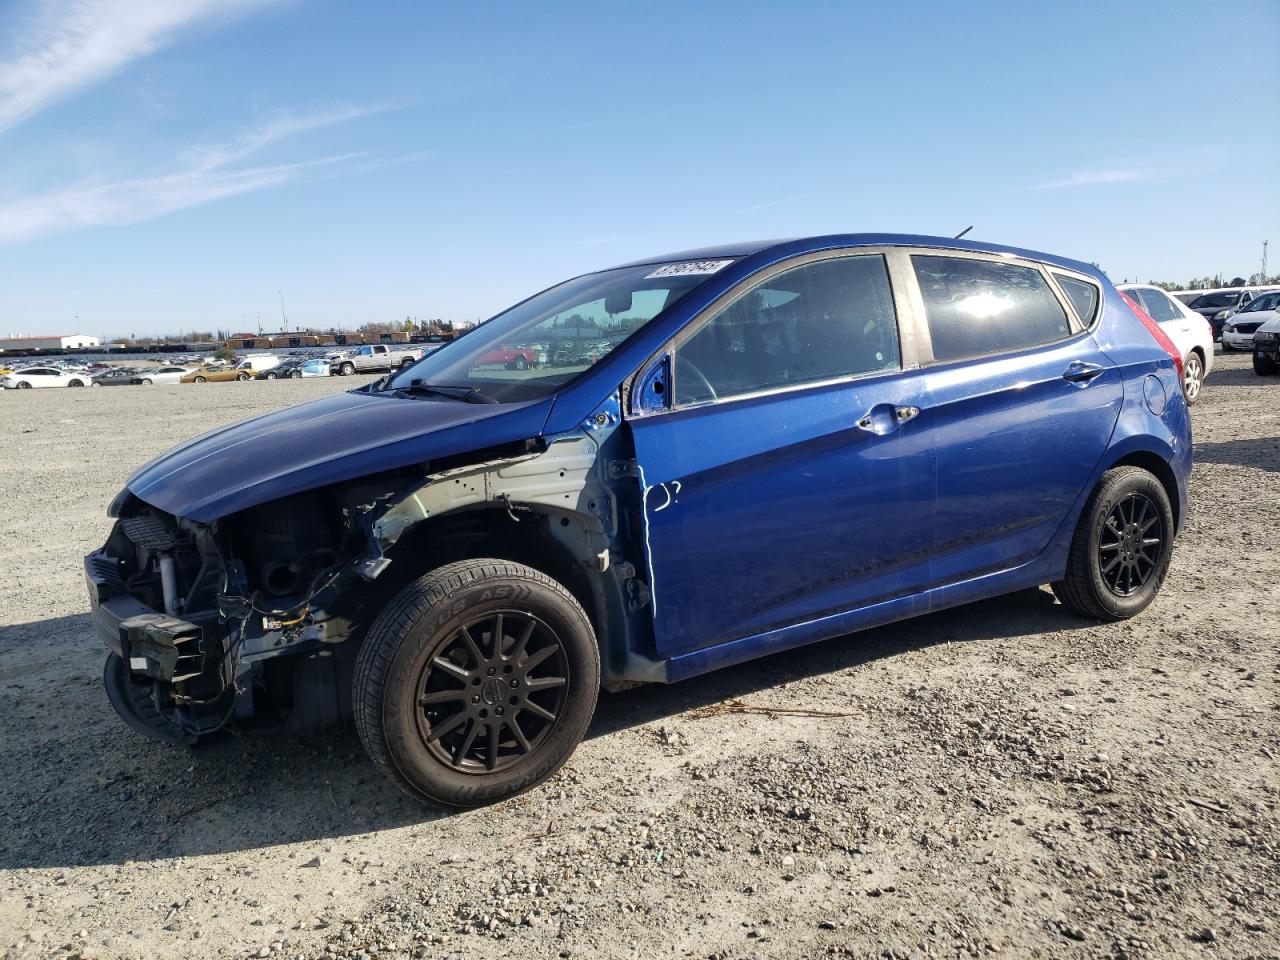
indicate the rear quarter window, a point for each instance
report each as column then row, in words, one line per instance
column 1083, row 296
column 976, row 307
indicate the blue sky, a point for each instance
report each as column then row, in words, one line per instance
column 170, row 165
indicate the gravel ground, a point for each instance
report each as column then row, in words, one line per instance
column 1002, row 778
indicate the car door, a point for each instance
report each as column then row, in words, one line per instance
column 1020, row 406
column 784, row 480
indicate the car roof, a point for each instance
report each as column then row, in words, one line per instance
column 804, row 244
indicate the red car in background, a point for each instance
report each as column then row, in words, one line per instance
column 513, row 358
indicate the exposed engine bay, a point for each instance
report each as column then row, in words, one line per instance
column 251, row 614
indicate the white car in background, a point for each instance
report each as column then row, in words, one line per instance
column 1238, row 331
column 28, row 378
column 162, row 375
column 1189, row 331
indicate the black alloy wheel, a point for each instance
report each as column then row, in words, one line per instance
column 476, row 682
column 1121, row 548
column 1131, row 544
column 492, row 692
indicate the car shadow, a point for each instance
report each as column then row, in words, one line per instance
column 81, row 789
column 1235, row 377
column 1261, row 453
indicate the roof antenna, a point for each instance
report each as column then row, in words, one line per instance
column 963, row 232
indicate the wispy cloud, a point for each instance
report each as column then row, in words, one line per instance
column 67, row 45
column 205, row 174
column 1090, row 178
column 221, row 155
column 132, row 201
column 774, row 203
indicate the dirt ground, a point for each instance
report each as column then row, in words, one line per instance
column 1002, row 778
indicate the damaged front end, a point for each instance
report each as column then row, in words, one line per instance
column 261, row 613
column 198, row 617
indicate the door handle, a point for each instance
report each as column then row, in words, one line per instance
column 1082, row 373
column 885, row 418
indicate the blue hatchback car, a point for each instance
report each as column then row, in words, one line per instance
column 711, row 456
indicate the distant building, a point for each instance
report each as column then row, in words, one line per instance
column 66, row 341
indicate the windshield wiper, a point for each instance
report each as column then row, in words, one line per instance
column 466, row 394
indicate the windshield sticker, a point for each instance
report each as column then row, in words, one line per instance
column 688, row 268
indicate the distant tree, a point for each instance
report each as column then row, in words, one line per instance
column 224, row 352
column 1164, row 284
column 1237, row 282
column 409, row 326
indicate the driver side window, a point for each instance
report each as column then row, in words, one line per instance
column 821, row 321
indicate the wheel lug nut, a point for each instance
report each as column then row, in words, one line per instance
column 475, row 699
column 498, row 711
column 491, row 671
column 515, row 683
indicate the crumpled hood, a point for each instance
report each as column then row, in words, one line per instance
column 323, row 442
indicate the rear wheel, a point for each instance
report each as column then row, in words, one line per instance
column 1192, row 377
column 271, row 375
column 1263, row 365
column 476, row 683
column 146, row 381
column 75, row 383
column 242, row 377
column 1121, row 549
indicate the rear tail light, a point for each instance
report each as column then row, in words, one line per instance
column 1153, row 328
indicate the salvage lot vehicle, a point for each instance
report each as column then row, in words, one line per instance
column 376, row 358
column 1186, row 328
column 1266, row 348
column 120, row 377
column 28, row 378
column 1237, row 332
column 794, row 440
column 245, row 369
column 165, row 376
column 512, row 358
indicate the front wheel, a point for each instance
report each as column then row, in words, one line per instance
column 1192, row 377
column 24, row 385
column 146, row 381
column 271, row 375
column 1121, row 549
column 202, row 379
column 1263, row 365
column 347, row 369
column 476, row 683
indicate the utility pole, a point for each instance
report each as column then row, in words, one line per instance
column 1264, row 261
column 284, row 323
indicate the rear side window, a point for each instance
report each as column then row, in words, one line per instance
column 1157, row 305
column 820, row 321
column 1083, row 296
column 976, row 307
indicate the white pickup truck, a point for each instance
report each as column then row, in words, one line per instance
column 375, row 358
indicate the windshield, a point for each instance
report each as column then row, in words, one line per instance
column 537, row 346
column 1268, row 301
column 1228, row 298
